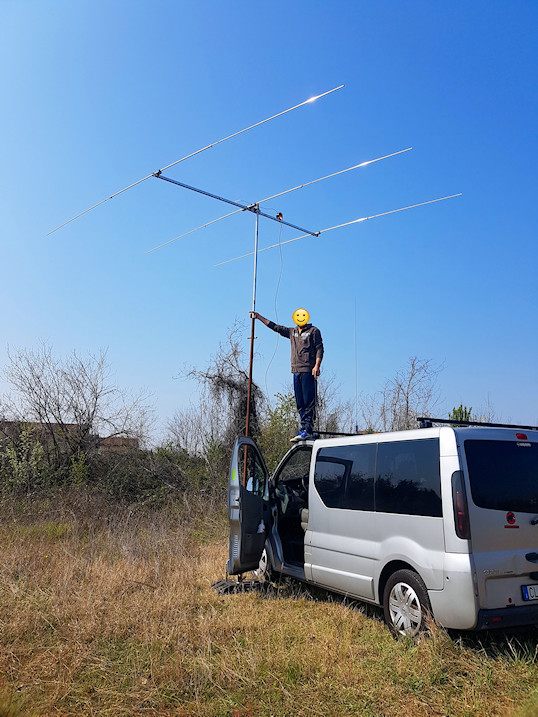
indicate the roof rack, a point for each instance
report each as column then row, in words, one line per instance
column 426, row 422
column 335, row 433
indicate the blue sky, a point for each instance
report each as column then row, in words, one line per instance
column 99, row 94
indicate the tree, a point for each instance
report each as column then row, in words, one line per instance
column 485, row 415
column 462, row 413
column 69, row 402
column 411, row 393
column 225, row 385
column 279, row 424
column 332, row 414
column 209, row 430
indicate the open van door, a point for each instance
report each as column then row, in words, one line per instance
column 248, row 507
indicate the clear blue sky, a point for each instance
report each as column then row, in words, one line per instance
column 99, row 94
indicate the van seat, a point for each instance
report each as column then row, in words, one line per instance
column 304, row 519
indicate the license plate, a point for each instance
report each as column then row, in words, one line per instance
column 530, row 592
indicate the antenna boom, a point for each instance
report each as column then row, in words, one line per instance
column 244, row 207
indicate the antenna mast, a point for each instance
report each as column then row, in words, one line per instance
column 356, row 376
column 253, row 320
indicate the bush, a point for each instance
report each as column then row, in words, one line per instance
column 131, row 475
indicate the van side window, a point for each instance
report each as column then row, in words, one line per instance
column 330, row 477
column 360, row 483
column 408, row 478
column 251, row 470
column 344, row 476
column 297, row 466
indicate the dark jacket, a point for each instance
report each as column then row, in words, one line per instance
column 306, row 346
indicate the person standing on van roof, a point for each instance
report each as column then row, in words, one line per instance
column 306, row 356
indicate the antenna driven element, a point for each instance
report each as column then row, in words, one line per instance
column 280, row 194
column 193, row 154
column 339, row 226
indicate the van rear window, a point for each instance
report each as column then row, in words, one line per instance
column 503, row 474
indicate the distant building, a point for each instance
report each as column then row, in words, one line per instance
column 43, row 431
column 61, row 433
column 118, row 444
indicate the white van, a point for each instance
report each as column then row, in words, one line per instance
column 440, row 520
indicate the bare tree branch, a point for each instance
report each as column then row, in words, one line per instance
column 71, row 400
column 411, row 393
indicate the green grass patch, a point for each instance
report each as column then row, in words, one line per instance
column 47, row 530
column 13, row 705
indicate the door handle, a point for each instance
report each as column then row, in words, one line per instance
column 532, row 557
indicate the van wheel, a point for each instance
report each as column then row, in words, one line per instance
column 264, row 571
column 406, row 604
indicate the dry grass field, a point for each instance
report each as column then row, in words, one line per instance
column 108, row 610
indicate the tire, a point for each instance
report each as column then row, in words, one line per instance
column 264, row 571
column 406, row 604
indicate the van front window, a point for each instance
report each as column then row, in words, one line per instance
column 503, row 474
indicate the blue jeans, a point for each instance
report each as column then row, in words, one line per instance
column 304, row 385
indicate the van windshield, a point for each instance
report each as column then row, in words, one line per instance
column 503, row 474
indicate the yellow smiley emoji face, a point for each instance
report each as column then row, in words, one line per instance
column 301, row 317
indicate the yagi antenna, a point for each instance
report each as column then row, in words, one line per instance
column 193, row 154
column 339, row 226
column 280, row 194
column 252, row 208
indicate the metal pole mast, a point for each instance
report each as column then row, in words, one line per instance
column 253, row 321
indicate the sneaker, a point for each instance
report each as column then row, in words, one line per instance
column 301, row 436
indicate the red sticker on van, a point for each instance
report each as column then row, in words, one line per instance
column 511, row 520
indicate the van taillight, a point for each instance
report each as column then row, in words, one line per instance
column 521, row 436
column 462, row 519
column 461, row 514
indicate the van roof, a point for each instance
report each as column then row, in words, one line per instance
column 484, row 432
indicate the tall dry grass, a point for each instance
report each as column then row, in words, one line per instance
column 108, row 610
